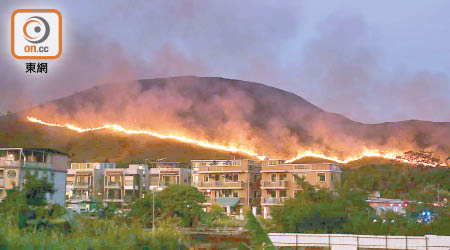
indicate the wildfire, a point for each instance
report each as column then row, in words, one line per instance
column 368, row 153
column 119, row 128
column 228, row 148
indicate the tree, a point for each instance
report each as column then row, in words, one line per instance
column 181, row 201
column 142, row 209
column 35, row 191
column 318, row 210
column 259, row 237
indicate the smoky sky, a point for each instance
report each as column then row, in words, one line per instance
column 371, row 62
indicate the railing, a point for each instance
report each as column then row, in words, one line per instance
column 354, row 242
column 272, row 200
column 303, row 167
column 79, row 197
column 82, row 184
column 276, row 184
column 33, row 164
column 4, row 162
column 222, row 184
column 113, row 185
column 222, row 168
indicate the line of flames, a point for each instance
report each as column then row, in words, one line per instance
column 217, row 146
column 119, row 128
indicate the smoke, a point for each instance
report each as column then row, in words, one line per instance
column 343, row 66
column 240, row 114
column 340, row 69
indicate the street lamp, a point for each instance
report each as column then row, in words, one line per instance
column 153, row 212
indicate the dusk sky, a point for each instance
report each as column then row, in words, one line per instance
column 372, row 61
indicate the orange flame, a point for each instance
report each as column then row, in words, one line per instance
column 229, row 148
column 367, row 153
column 180, row 138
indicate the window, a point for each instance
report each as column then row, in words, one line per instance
column 237, row 163
column 235, row 194
column 283, row 193
column 82, row 180
column 228, row 177
column 256, row 177
column 332, row 177
column 272, row 193
column 273, row 177
column 11, row 173
column 1, row 174
column 283, row 177
column 272, row 162
column 321, row 177
column 301, row 176
column 205, row 178
column 235, row 177
column 227, row 193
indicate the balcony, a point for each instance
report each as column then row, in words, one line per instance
column 221, row 185
column 83, row 185
column 222, row 169
column 272, row 200
column 34, row 164
column 9, row 163
column 274, row 185
column 113, row 185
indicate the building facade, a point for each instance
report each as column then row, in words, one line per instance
column 232, row 184
column 18, row 164
column 163, row 174
column 279, row 182
column 124, row 185
column 85, row 182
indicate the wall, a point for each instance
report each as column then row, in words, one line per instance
column 352, row 242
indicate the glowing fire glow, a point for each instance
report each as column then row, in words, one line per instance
column 368, row 153
column 217, row 146
column 119, row 128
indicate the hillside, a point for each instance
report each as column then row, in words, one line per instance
column 257, row 117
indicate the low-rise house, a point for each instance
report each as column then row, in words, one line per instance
column 279, row 182
column 124, row 185
column 383, row 205
column 18, row 164
column 233, row 184
column 85, row 182
column 163, row 174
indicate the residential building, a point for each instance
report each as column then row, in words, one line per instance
column 85, row 182
column 163, row 174
column 278, row 180
column 233, row 184
column 383, row 205
column 18, row 164
column 124, row 185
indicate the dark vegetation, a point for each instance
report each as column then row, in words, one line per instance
column 346, row 211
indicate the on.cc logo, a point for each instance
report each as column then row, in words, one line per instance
column 36, row 34
column 39, row 26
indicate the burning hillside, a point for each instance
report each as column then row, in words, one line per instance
column 236, row 116
column 410, row 157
